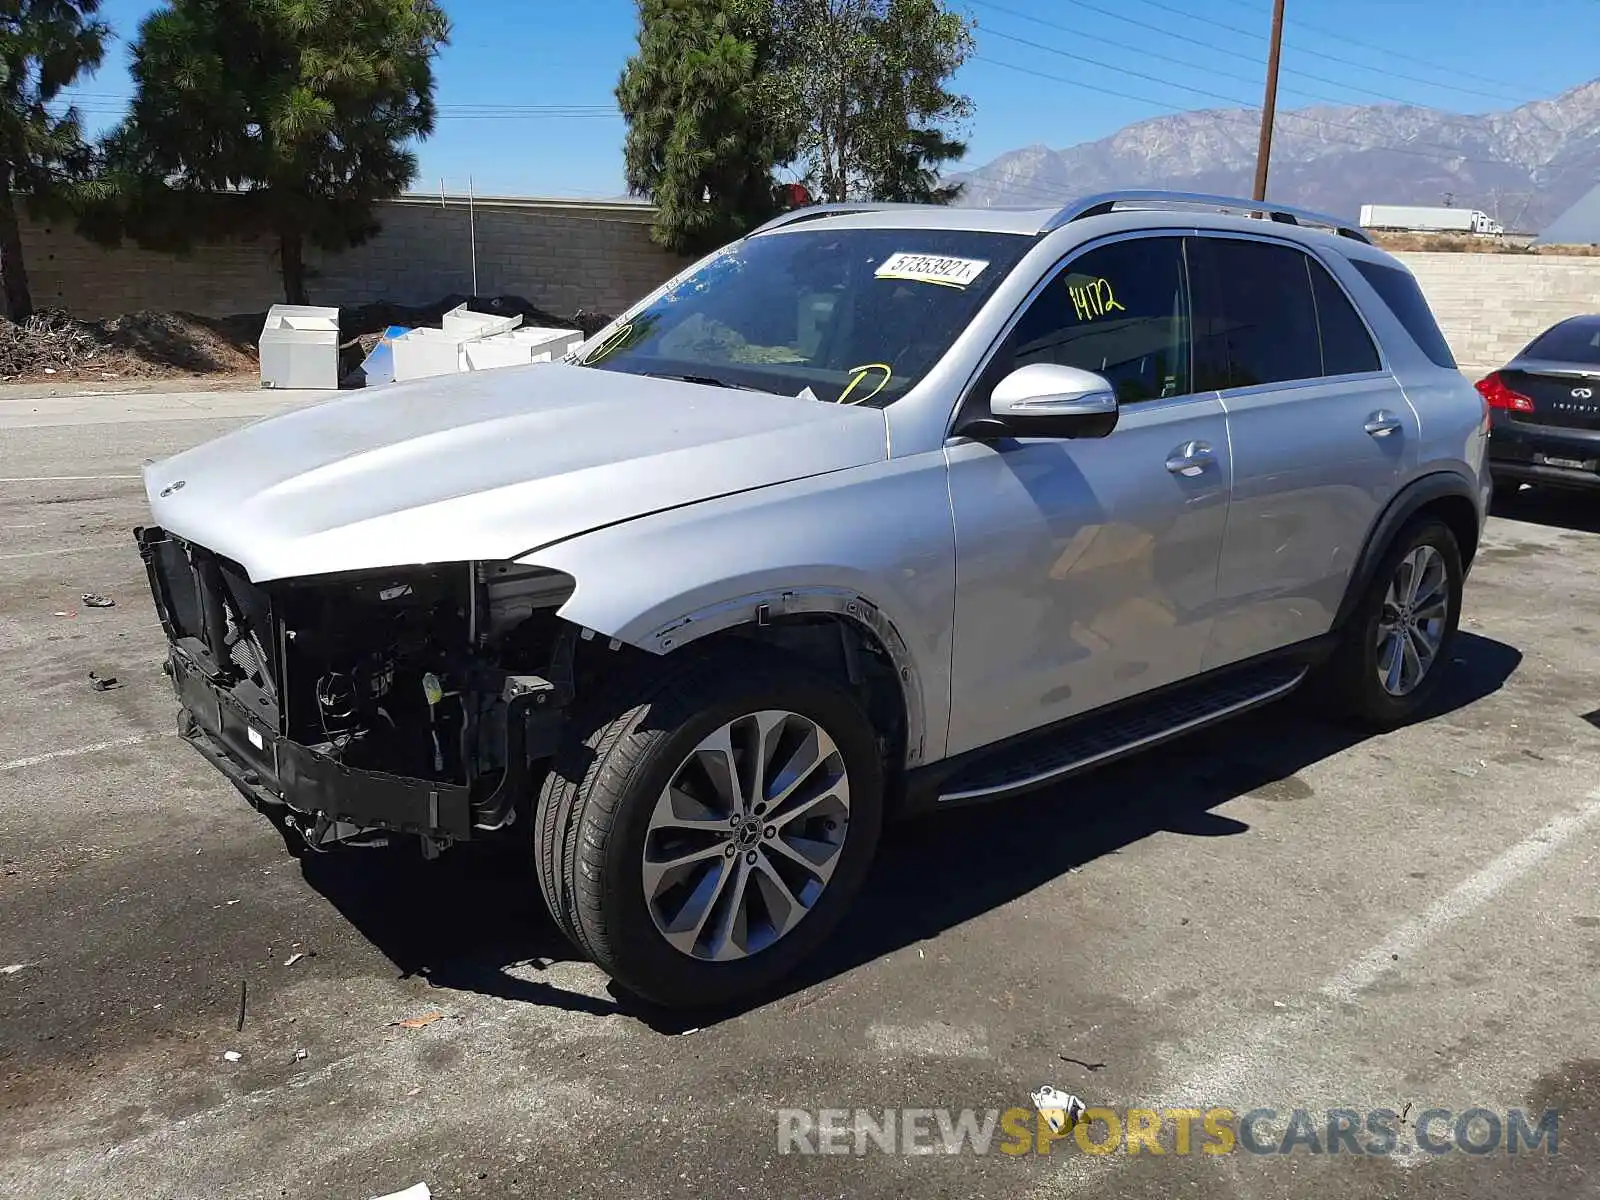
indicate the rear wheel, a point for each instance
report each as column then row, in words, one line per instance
column 701, row 837
column 1396, row 646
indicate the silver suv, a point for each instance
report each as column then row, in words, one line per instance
column 878, row 509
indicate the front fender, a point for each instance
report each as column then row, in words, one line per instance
column 872, row 544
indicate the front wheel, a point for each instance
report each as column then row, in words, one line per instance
column 700, row 837
column 1392, row 658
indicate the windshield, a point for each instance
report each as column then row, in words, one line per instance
column 1571, row 341
column 856, row 315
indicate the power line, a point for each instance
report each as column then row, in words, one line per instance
column 1444, row 152
column 1519, row 94
column 1210, row 70
column 1253, row 59
column 1126, row 71
column 1094, row 37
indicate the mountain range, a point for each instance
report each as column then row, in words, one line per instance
column 1525, row 165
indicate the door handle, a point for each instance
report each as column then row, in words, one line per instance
column 1190, row 459
column 1382, row 424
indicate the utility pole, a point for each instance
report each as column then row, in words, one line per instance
column 1269, row 105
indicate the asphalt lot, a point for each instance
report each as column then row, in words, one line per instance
column 1276, row 915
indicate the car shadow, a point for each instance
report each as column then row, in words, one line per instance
column 1557, row 508
column 470, row 919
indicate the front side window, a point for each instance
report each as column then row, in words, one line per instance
column 857, row 316
column 1120, row 311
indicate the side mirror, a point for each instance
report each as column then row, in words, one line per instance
column 1050, row 400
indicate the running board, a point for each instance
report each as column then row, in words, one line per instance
column 1096, row 741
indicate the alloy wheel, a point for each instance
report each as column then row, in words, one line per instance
column 1412, row 624
column 746, row 835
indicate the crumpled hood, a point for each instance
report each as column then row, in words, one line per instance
column 488, row 465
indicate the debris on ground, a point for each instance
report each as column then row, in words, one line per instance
column 1091, row 1067
column 294, row 958
column 363, row 327
column 13, row 968
column 148, row 344
column 232, row 1055
column 96, row 600
column 420, row 1022
column 154, row 344
column 417, row 1191
column 1061, row 1110
column 103, row 683
column 244, row 995
column 66, row 613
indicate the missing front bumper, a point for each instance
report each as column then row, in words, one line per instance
column 275, row 773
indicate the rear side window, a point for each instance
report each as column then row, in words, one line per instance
column 1400, row 292
column 1571, row 341
column 1257, row 314
column 1347, row 347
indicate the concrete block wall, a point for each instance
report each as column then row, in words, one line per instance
column 1490, row 306
column 66, row 271
column 571, row 255
column 561, row 255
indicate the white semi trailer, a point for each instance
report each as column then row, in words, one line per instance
column 1421, row 218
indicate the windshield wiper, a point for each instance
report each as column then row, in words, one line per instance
column 707, row 380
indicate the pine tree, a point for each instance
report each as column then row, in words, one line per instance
column 702, row 135
column 287, row 119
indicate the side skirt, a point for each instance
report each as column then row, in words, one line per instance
column 1046, row 756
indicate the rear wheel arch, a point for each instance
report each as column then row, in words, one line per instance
column 1444, row 495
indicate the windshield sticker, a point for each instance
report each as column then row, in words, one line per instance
column 862, row 372
column 931, row 268
column 1094, row 298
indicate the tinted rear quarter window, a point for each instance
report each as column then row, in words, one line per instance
column 1258, row 310
column 1571, row 341
column 1400, row 292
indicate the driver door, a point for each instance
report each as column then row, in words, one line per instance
column 1086, row 569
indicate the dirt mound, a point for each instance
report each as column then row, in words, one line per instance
column 138, row 345
column 153, row 344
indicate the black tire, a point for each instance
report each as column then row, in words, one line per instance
column 1352, row 672
column 596, row 802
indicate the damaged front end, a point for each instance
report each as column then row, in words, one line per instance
column 420, row 700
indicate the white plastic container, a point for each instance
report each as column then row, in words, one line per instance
column 465, row 324
column 518, row 348
column 299, row 347
column 421, row 353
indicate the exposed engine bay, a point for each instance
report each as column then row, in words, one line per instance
column 441, row 685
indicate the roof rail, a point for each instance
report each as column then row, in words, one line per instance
column 1104, row 202
column 812, row 211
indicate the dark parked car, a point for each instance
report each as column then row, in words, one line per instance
column 1544, row 407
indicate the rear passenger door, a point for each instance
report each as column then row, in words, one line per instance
column 1320, row 433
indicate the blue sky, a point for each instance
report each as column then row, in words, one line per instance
column 526, row 101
